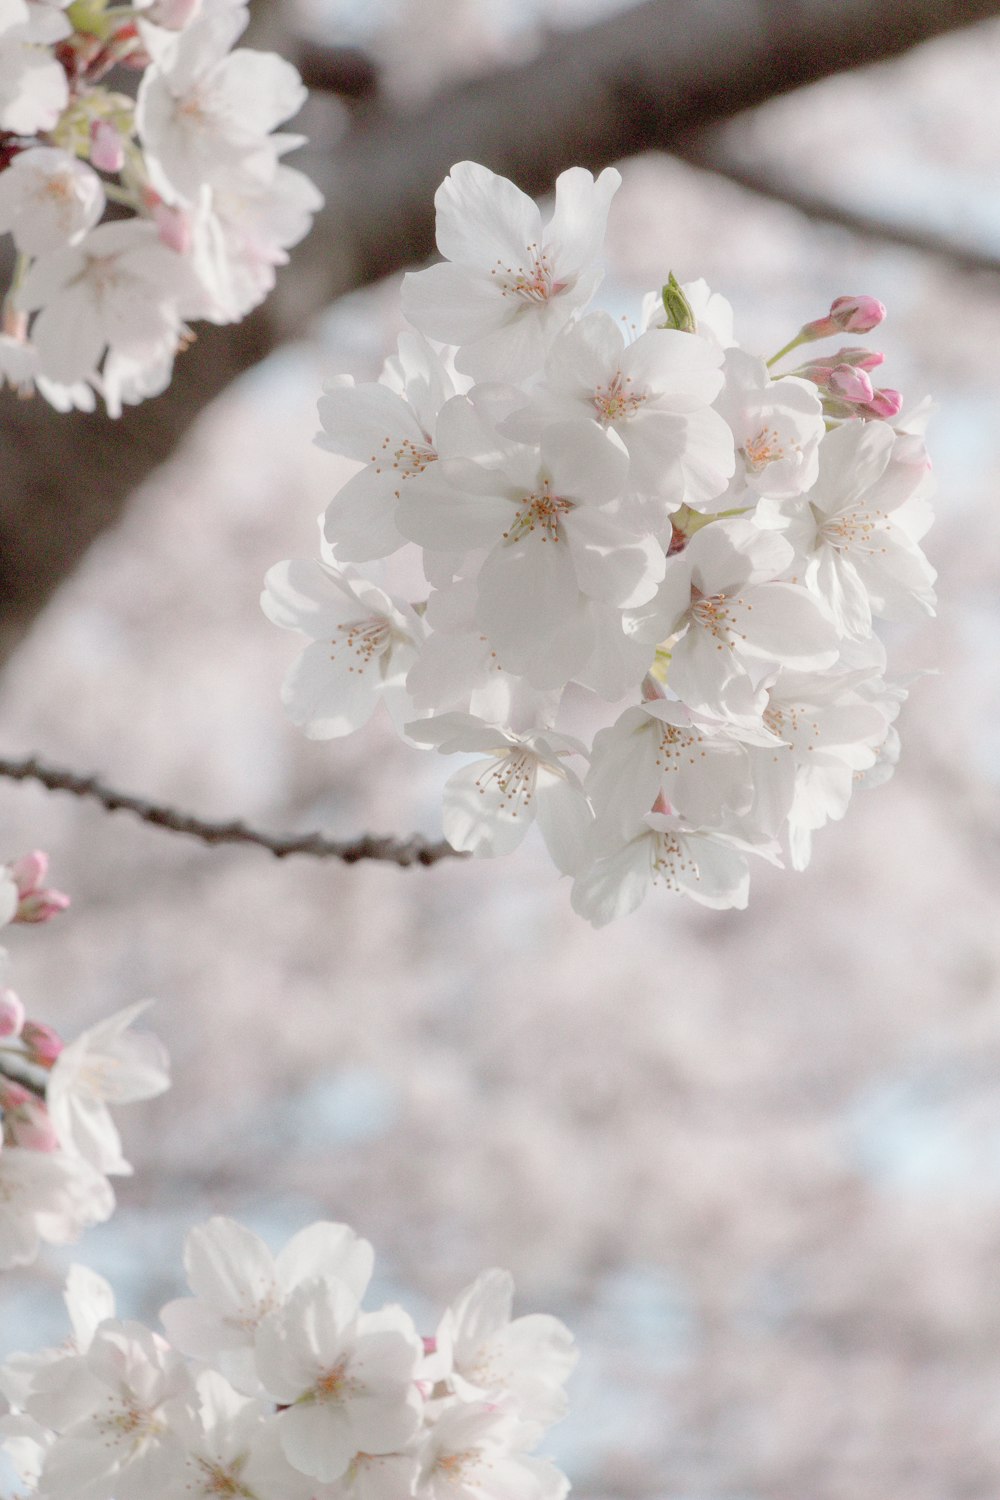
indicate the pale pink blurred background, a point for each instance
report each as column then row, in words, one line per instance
column 752, row 1159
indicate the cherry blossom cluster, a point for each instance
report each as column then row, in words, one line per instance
column 272, row 1381
column 131, row 216
column 650, row 562
column 58, row 1141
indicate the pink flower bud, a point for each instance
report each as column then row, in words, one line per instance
column 885, row 404
column 857, row 314
column 43, row 1043
column 858, row 358
column 430, row 1345
column 844, row 382
column 25, row 1118
column 849, row 384
column 846, row 315
column 107, row 149
column 37, row 902
column 11, row 1013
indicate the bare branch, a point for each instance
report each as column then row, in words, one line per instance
column 415, row 850
column 345, row 71
column 632, row 83
column 705, row 152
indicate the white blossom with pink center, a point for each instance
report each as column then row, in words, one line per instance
column 654, row 394
column 509, row 283
column 345, row 1380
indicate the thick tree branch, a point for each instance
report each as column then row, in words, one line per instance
column 630, row 84
column 415, row 850
column 704, row 151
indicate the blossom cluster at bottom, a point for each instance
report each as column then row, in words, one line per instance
column 273, row 1381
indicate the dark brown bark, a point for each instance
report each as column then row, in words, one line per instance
column 631, row 84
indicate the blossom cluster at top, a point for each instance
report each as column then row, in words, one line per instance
column 290, row 1389
column 652, row 562
column 58, row 1142
column 131, row 216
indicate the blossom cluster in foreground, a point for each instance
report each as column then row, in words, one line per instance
column 202, row 208
column 652, row 562
column 58, row 1141
column 273, row 1381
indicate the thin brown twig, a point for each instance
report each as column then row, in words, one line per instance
column 415, row 850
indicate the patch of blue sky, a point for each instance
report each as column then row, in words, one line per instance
column 917, row 1133
column 346, row 1107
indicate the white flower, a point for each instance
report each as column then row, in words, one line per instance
column 204, row 113
column 523, row 1363
column 115, row 1419
column 490, row 805
column 118, row 288
column 232, row 1447
column 856, row 532
column 48, row 199
column 47, row 1196
column 778, row 426
column 389, row 427
column 345, row 1379
column 237, row 1282
column 723, row 594
column 105, row 1065
column 708, row 866
column 660, row 748
column 508, row 283
column 474, row 1452
column 33, row 86
column 363, row 645
column 654, row 394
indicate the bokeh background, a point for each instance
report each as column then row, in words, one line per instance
column 753, row 1159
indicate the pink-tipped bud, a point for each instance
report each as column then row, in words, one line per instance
column 849, row 384
column 107, row 149
column 857, row 314
column 43, row 1043
column 858, row 358
column 26, row 1120
column 846, row 315
column 844, row 383
column 11, row 1013
column 885, row 404
column 37, row 903
column 174, row 225
column 430, row 1345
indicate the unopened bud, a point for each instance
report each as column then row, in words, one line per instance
column 885, row 404
column 107, row 149
column 849, row 384
column 846, row 315
column 36, row 903
column 844, row 382
column 26, row 1120
column 677, row 307
column 43, row 1043
column 11, row 1013
column 857, row 314
column 858, row 358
